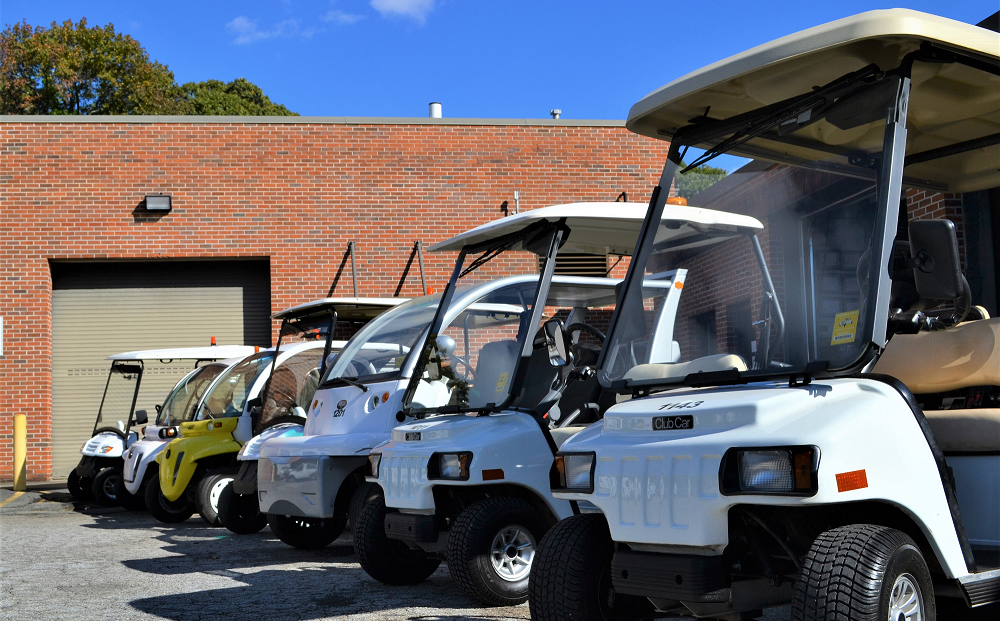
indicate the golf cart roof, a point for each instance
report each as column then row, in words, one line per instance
column 346, row 308
column 949, row 103
column 213, row 352
column 603, row 228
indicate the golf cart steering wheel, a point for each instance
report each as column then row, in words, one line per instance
column 582, row 327
column 362, row 368
column 470, row 373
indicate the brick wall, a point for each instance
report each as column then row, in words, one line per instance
column 295, row 192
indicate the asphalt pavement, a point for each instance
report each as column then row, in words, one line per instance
column 66, row 560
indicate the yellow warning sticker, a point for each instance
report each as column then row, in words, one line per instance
column 501, row 382
column 845, row 326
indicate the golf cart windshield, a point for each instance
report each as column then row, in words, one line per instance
column 181, row 402
column 812, row 292
column 378, row 351
column 120, row 391
column 228, row 395
column 805, row 288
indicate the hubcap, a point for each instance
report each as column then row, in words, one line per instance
column 905, row 603
column 213, row 496
column 512, row 551
column 110, row 485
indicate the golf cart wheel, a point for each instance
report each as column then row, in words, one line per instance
column 79, row 487
column 389, row 561
column 105, row 485
column 863, row 572
column 131, row 502
column 208, row 492
column 166, row 511
column 491, row 549
column 364, row 494
column 571, row 575
column 240, row 513
column 305, row 533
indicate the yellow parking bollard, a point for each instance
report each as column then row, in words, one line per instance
column 20, row 452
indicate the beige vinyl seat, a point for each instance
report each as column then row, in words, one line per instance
column 961, row 357
column 561, row 434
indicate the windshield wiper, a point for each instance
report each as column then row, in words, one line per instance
column 352, row 381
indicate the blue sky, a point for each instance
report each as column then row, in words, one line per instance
column 479, row 58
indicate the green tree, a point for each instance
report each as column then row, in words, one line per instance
column 237, row 98
column 698, row 179
column 74, row 69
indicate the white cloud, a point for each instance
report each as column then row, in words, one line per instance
column 246, row 30
column 415, row 9
column 341, row 17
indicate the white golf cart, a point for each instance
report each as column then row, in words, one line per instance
column 804, row 470
column 98, row 474
column 288, row 393
column 471, row 485
column 180, row 405
column 306, row 484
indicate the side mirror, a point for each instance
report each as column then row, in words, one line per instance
column 555, row 341
column 445, row 345
column 934, row 256
column 254, row 407
column 141, row 418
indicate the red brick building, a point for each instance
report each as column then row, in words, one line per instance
column 266, row 204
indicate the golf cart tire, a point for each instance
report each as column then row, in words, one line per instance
column 366, row 493
column 79, row 487
column 571, row 575
column 130, row 502
column 470, row 549
column 387, row 560
column 104, row 486
column 850, row 573
column 208, row 490
column 164, row 510
column 306, row 533
column 240, row 513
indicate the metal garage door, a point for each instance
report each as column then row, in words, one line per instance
column 106, row 308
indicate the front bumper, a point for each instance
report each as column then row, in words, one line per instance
column 412, row 529
column 305, row 486
column 687, row 578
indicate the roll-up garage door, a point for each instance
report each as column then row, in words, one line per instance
column 104, row 308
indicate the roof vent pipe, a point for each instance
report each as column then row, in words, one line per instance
column 435, row 112
column 556, row 113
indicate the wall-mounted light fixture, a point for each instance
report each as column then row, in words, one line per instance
column 159, row 203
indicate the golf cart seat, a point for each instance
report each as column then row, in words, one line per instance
column 494, row 371
column 965, row 356
column 561, row 434
column 715, row 362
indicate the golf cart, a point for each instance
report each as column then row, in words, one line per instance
column 306, row 485
column 815, row 461
column 180, row 405
column 287, row 394
column 468, row 480
column 99, row 471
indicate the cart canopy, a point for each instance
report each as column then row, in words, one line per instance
column 953, row 123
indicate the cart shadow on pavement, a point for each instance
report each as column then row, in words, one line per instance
column 313, row 593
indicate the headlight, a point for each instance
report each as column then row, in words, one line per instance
column 573, row 472
column 105, row 449
column 453, row 466
column 783, row 471
column 371, row 470
column 168, row 432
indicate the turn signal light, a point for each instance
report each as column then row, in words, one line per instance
column 168, row 432
column 677, row 200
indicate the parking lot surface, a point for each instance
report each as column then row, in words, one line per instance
column 65, row 560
